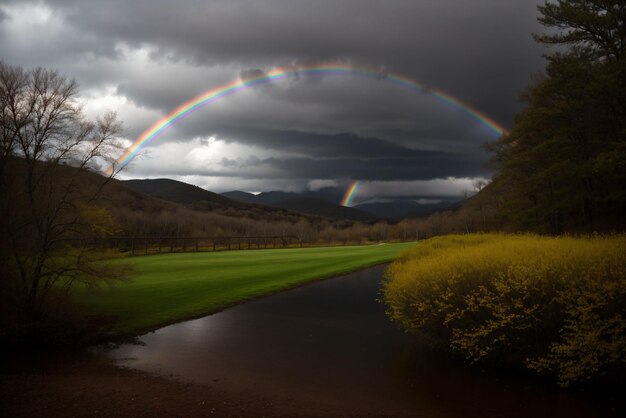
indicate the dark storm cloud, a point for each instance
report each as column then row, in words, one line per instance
column 346, row 145
column 157, row 54
column 32, row 35
column 481, row 50
column 252, row 73
column 315, row 115
column 420, row 166
column 342, row 156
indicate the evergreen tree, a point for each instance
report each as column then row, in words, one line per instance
column 562, row 167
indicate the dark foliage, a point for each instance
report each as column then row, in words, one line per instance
column 562, row 168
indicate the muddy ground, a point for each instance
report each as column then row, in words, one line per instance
column 94, row 388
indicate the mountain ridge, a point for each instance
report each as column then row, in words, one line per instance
column 181, row 192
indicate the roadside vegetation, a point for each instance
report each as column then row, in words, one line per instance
column 554, row 305
column 175, row 287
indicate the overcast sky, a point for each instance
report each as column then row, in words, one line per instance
column 142, row 58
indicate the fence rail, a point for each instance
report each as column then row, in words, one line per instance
column 158, row 245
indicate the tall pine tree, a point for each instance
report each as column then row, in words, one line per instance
column 562, row 167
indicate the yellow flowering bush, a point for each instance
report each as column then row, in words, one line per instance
column 554, row 305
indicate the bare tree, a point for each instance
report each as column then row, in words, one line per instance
column 49, row 185
column 302, row 228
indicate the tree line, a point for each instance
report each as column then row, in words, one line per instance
column 562, row 167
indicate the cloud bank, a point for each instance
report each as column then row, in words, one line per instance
column 142, row 58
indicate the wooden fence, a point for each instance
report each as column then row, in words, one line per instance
column 158, row 245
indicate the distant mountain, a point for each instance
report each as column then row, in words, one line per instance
column 320, row 207
column 179, row 192
column 401, row 209
column 240, row 196
column 175, row 191
column 264, row 198
column 307, row 203
column 389, row 210
column 270, row 198
column 325, row 203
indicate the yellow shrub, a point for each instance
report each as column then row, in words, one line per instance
column 552, row 304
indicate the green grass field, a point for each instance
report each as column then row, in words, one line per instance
column 173, row 287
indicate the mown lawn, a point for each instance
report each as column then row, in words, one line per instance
column 173, row 287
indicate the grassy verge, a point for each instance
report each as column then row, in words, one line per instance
column 174, row 287
column 553, row 305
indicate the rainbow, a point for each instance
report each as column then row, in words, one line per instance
column 347, row 198
column 233, row 87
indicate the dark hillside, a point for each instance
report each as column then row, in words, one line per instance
column 240, row 196
column 398, row 210
column 175, row 191
column 320, row 207
column 270, row 202
column 270, row 198
column 303, row 203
